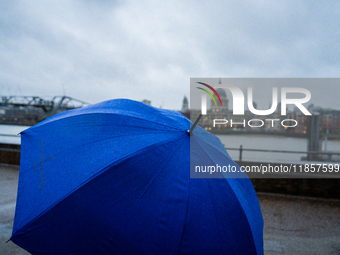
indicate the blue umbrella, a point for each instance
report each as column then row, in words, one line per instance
column 113, row 178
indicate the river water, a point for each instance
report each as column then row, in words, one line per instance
column 9, row 135
column 268, row 142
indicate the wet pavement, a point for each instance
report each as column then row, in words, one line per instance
column 8, row 190
column 292, row 225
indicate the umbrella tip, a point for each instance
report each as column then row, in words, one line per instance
column 8, row 240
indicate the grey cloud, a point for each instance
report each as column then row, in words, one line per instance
column 150, row 49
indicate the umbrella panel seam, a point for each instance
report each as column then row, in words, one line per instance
column 90, row 179
column 99, row 113
column 152, row 182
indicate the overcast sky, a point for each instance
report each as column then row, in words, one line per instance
column 100, row 50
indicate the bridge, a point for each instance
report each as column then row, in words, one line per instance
column 49, row 107
column 29, row 110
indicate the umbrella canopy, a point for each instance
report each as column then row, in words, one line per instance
column 113, row 178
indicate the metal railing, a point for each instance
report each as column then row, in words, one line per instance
column 241, row 149
column 10, row 135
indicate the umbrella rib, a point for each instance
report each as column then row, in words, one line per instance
column 207, row 155
column 90, row 142
column 132, row 209
column 226, row 180
column 213, row 204
column 186, row 218
column 84, row 114
column 227, row 155
column 94, row 176
column 187, row 212
column 208, row 144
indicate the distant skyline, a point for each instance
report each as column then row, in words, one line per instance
column 100, row 50
column 324, row 91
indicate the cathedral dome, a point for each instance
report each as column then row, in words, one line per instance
column 221, row 92
column 223, row 95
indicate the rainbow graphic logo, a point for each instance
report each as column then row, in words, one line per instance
column 218, row 96
column 204, row 98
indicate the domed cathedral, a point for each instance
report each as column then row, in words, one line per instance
column 223, row 95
